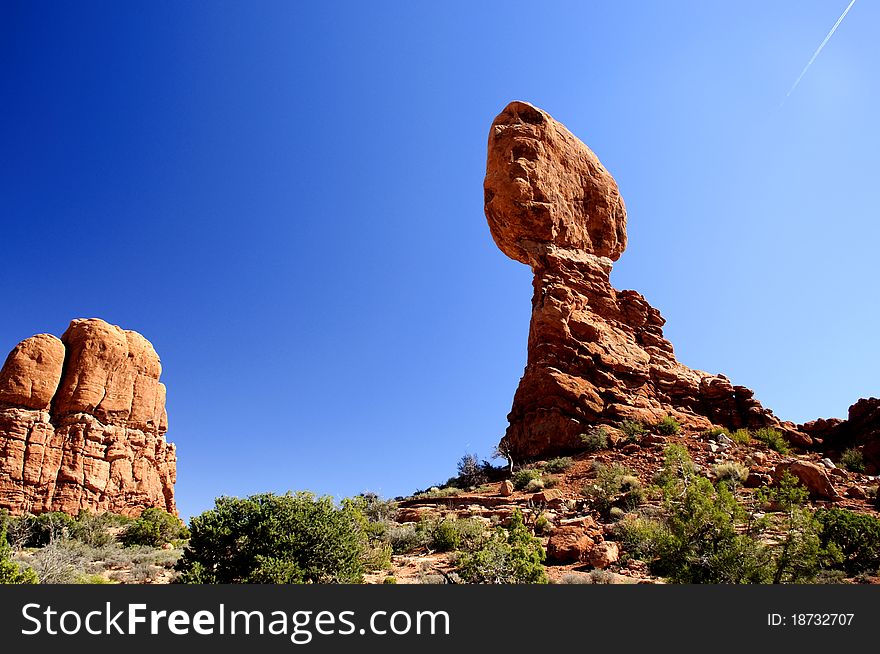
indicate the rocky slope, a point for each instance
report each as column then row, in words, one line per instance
column 83, row 422
column 582, row 546
column 595, row 355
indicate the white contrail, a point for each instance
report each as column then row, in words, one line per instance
column 819, row 49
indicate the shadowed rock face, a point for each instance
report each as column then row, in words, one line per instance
column 860, row 430
column 595, row 355
column 82, row 424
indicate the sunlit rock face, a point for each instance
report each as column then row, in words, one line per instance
column 83, row 422
column 595, row 355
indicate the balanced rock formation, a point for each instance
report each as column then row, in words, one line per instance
column 595, row 355
column 82, row 424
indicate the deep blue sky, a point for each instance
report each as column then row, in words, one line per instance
column 286, row 199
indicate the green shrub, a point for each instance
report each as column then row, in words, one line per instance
column 702, row 543
column 855, row 535
column 732, row 473
column 853, row 460
column 92, row 528
column 521, row 478
column 389, row 580
column 92, row 579
column 677, row 466
column 772, row 438
column 534, row 485
column 559, row 464
column 470, row 472
column 509, row 556
column 439, row 493
column 741, row 436
column 543, row 525
column 451, row 534
column 615, row 513
column 575, row 578
column 614, row 486
column 267, row 538
column 10, row 571
column 154, row 528
column 406, row 538
column 633, row 430
column 595, row 440
column 38, row 530
column 713, row 433
column 668, row 426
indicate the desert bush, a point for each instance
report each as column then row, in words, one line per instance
column 509, row 556
column 732, row 473
column 154, row 528
column 701, row 542
column 640, row 537
column 713, row 433
column 432, row 579
column 633, row 430
column 559, row 464
column 855, row 535
column 406, row 538
column 267, row 538
column 375, row 509
column 389, row 580
column 615, row 513
column 93, row 528
column 377, row 556
column 741, row 436
column 772, row 438
column 595, row 440
column 535, row 485
column 10, row 571
column 677, row 466
column 575, row 578
column 38, row 530
column 373, row 516
column 830, row 577
column 853, row 460
column 452, row 534
column 543, row 525
column 57, row 564
column 668, row 426
column 470, row 473
column 604, row 577
column 92, row 579
column 614, row 486
column 521, row 478
column 439, row 493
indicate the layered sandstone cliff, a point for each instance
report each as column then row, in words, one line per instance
column 595, row 355
column 82, row 424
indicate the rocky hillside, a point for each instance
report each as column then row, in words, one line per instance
column 82, row 424
column 587, row 508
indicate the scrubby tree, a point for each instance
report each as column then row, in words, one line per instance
column 154, row 528
column 10, row 571
column 268, row 538
column 509, row 556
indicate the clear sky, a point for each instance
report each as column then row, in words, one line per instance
column 286, row 199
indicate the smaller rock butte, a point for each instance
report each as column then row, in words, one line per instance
column 83, row 422
column 595, row 355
